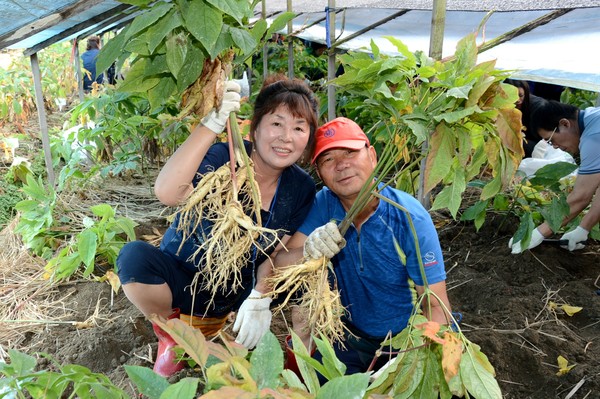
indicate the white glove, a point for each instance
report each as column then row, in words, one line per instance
column 253, row 319
column 575, row 237
column 244, row 85
column 324, row 241
column 217, row 119
column 536, row 239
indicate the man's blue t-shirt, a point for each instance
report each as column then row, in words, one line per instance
column 291, row 203
column 372, row 280
column 589, row 144
column 89, row 63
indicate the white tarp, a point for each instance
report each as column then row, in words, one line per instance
column 563, row 51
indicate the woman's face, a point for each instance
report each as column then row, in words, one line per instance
column 280, row 138
column 519, row 102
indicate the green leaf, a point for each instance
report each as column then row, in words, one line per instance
column 409, row 373
column 501, row 202
column 348, row 387
column 87, row 243
column 267, row 362
column 555, row 213
column 523, row 233
column 492, row 188
column 148, row 18
column 476, row 212
column 552, row 173
column 147, row 381
column 163, row 27
column 451, row 196
column 429, row 387
column 477, row 379
column 162, row 91
column 441, row 154
column 194, row 62
column 243, row 40
column 302, row 357
column 203, row 22
column 333, row 366
column 127, row 226
column 104, row 211
column 279, row 23
column 21, row 363
column 183, row 389
column 138, row 45
column 235, row 8
column 137, row 81
column 177, row 46
column 111, row 50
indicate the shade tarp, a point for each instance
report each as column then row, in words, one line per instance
column 563, row 51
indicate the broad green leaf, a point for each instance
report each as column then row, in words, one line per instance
column 138, row 45
column 348, row 387
column 160, row 92
column 235, row 8
column 66, row 266
column 258, row 30
column 523, row 233
column 466, row 55
column 552, row 173
column 492, row 188
column 460, row 92
column 477, row 379
column 455, row 116
column 333, row 366
column 147, row 381
column 451, row 196
column 137, row 81
column 409, row 373
column 204, row 22
column 555, row 213
column 302, row 357
column 104, row 211
column 87, row 243
column 501, row 202
column 478, row 89
column 148, row 18
column 267, row 362
column 183, row 389
column 163, row 27
column 440, row 156
column 21, row 363
column 402, row 48
column 111, row 50
column 127, row 226
column 194, row 62
column 279, row 23
column 473, row 212
column 176, row 52
column 429, row 386
column 243, row 40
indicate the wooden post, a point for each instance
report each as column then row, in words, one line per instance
column 436, row 44
column 39, row 100
column 290, row 29
column 265, row 46
column 331, row 104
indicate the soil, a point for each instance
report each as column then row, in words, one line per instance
column 504, row 300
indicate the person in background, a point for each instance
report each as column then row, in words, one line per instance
column 575, row 131
column 374, row 284
column 89, row 63
column 525, row 104
column 157, row 280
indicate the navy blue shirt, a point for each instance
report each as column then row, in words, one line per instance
column 290, row 205
column 89, row 63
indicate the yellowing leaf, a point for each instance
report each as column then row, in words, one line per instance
column 563, row 367
column 451, row 354
column 113, row 280
column 552, row 305
column 430, row 329
column 571, row 310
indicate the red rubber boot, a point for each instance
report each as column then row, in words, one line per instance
column 166, row 364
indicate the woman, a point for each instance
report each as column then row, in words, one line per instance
column 89, row 63
column 157, row 281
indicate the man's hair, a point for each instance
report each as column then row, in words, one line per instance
column 548, row 113
column 294, row 94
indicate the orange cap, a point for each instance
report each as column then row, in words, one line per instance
column 339, row 133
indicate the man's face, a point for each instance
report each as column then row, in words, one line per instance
column 564, row 136
column 345, row 171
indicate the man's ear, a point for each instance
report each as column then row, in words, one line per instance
column 372, row 155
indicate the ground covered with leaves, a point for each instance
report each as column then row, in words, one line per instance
column 516, row 307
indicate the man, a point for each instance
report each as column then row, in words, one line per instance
column 373, row 282
column 576, row 132
column 89, row 63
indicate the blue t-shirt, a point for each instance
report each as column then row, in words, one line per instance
column 589, row 144
column 372, row 280
column 292, row 201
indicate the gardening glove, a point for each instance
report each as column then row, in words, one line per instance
column 576, row 238
column 253, row 319
column 324, row 241
column 536, row 239
column 217, row 119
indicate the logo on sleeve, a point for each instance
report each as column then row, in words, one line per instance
column 429, row 259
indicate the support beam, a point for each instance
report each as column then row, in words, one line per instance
column 39, row 101
column 46, row 22
column 331, row 103
column 368, row 28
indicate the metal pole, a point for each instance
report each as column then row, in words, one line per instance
column 331, row 104
column 265, row 46
column 78, row 72
column 39, row 101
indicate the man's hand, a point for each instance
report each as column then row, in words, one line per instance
column 217, row 119
column 536, row 239
column 324, row 241
column 253, row 319
column 575, row 237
